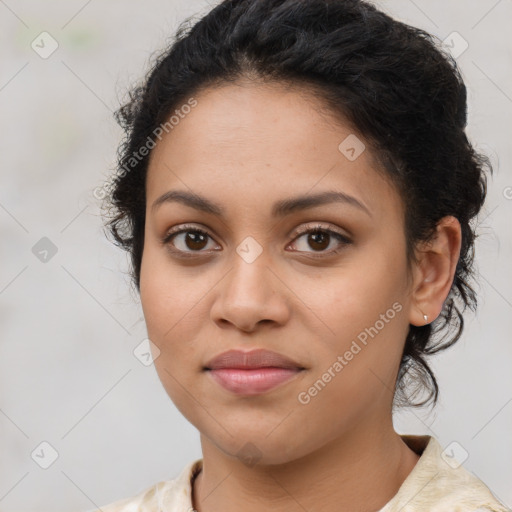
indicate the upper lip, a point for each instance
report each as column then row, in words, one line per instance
column 258, row 358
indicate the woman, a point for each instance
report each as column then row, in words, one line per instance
column 295, row 191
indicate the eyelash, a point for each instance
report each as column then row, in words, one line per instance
column 342, row 239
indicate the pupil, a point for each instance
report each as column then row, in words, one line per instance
column 194, row 238
column 324, row 236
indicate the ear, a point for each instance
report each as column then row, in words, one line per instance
column 435, row 271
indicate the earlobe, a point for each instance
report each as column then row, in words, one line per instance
column 435, row 271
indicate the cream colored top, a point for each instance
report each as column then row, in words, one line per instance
column 437, row 483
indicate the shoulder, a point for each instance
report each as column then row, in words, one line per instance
column 169, row 495
column 440, row 482
column 145, row 501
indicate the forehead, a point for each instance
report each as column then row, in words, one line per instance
column 258, row 143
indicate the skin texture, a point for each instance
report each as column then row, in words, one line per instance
column 245, row 146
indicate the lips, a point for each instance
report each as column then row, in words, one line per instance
column 258, row 358
column 253, row 372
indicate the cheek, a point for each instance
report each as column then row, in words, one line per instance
column 353, row 298
column 174, row 313
column 168, row 296
column 362, row 311
column 180, row 385
column 171, row 316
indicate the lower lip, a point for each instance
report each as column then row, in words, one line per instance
column 252, row 381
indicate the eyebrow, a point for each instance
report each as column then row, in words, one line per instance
column 280, row 208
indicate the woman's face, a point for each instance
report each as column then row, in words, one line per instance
column 338, row 307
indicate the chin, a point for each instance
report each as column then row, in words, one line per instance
column 259, row 443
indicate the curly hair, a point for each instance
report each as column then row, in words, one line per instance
column 394, row 84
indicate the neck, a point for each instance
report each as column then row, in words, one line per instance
column 361, row 470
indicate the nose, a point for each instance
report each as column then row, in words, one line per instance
column 250, row 294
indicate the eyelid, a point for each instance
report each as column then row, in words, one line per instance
column 295, row 232
column 344, row 239
column 176, row 230
column 318, row 226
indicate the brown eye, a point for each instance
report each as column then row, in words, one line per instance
column 187, row 240
column 319, row 239
column 195, row 240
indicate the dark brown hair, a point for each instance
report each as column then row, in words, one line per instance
column 392, row 82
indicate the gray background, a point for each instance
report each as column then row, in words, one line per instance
column 69, row 326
